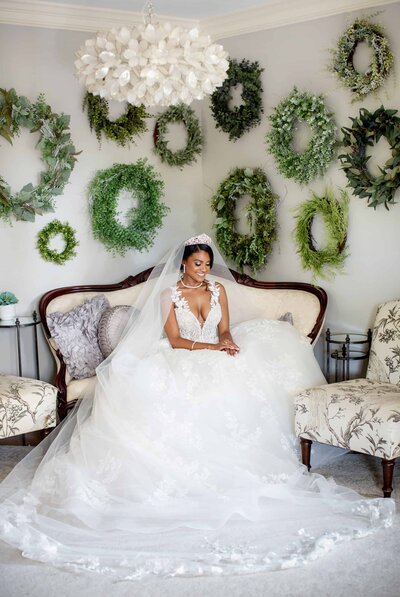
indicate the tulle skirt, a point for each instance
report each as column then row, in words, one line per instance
column 185, row 463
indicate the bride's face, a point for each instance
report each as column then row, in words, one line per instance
column 197, row 266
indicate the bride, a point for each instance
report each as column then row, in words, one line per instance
column 184, row 461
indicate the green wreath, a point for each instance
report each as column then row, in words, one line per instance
column 366, row 130
column 50, row 231
column 146, row 186
column 241, row 118
column 314, row 161
column 250, row 250
column 323, row 262
column 187, row 155
column 56, row 148
column 123, row 129
column 361, row 84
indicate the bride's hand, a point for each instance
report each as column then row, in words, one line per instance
column 228, row 346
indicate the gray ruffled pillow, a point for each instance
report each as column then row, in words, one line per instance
column 75, row 334
column 112, row 323
column 288, row 317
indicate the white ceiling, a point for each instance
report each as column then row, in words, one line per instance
column 189, row 9
column 219, row 18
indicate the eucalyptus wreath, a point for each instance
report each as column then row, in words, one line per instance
column 315, row 159
column 56, row 148
column 361, row 84
column 143, row 221
column 123, row 129
column 184, row 114
column 50, row 231
column 326, row 261
column 366, row 130
column 238, row 120
column 252, row 249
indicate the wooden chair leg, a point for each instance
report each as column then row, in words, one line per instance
column 306, row 451
column 388, row 468
column 45, row 432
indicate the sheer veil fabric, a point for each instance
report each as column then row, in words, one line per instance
column 184, row 463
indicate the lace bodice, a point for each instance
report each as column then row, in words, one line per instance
column 189, row 326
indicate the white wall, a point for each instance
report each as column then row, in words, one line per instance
column 299, row 55
column 40, row 60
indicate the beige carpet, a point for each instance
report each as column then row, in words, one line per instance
column 367, row 567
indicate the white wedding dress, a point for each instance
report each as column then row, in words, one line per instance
column 189, row 468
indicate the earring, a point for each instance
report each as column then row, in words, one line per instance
column 184, row 268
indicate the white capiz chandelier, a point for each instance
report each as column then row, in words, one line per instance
column 154, row 64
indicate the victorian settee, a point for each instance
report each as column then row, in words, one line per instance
column 305, row 303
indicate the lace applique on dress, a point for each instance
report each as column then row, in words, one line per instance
column 189, row 326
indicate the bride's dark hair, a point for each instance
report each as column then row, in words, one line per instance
column 190, row 249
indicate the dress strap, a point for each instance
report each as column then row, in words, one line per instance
column 176, row 297
column 214, row 289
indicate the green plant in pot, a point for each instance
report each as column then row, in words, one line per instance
column 8, row 300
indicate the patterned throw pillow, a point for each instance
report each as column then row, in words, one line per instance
column 288, row 317
column 75, row 334
column 111, row 325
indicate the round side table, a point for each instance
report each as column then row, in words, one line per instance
column 344, row 347
column 24, row 322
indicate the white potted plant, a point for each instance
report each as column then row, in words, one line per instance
column 8, row 300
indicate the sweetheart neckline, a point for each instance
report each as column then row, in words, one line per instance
column 184, row 299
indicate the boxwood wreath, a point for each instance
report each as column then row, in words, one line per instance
column 315, row 159
column 366, row 130
column 53, row 229
column 362, row 84
column 144, row 220
column 123, row 129
column 238, row 120
column 56, row 149
column 325, row 262
column 184, row 114
column 252, row 249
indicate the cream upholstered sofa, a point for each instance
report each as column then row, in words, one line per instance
column 306, row 303
column 362, row 415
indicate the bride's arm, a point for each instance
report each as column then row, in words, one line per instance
column 223, row 327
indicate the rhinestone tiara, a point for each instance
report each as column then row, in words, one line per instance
column 201, row 239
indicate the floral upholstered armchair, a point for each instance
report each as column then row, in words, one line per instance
column 362, row 414
column 26, row 405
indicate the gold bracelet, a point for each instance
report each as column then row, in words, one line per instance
column 191, row 348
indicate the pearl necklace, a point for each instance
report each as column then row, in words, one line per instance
column 187, row 285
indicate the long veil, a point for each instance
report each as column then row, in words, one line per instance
column 178, row 464
column 145, row 327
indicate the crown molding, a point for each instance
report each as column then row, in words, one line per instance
column 279, row 13
column 35, row 13
column 38, row 13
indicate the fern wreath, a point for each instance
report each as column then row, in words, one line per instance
column 143, row 221
column 53, row 229
column 326, row 261
column 253, row 249
column 123, row 129
column 188, row 154
column 240, row 119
